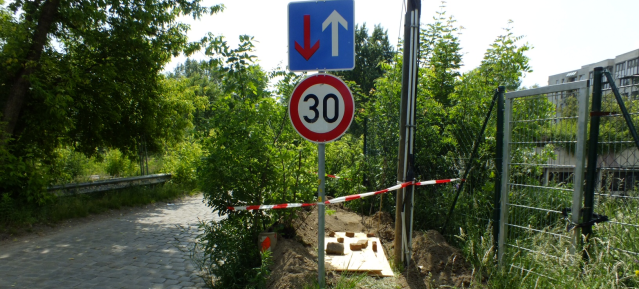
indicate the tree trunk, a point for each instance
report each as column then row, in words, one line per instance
column 18, row 92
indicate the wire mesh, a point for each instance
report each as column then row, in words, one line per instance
column 474, row 208
column 617, row 186
column 444, row 142
column 543, row 153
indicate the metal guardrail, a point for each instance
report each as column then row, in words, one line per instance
column 107, row 185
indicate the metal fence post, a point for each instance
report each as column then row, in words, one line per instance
column 498, row 164
column 580, row 152
column 321, row 211
column 503, row 203
column 591, row 173
column 469, row 164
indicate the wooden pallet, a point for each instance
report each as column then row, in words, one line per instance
column 375, row 263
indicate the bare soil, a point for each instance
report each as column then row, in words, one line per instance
column 435, row 263
column 441, row 263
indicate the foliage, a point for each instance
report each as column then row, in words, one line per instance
column 118, row 49
column 567, row 271
column 505, row 62
column 87, row 74
column 182, row 161
column 441, row 55
column 71, row 165
column 227, row 251
column 262, row 272
column 372, row 50
column 117, row 164
column 345, row 159
column 28, row 179
column 6, row 25
column 6, row 207
column 251, row 155
column 382, row 141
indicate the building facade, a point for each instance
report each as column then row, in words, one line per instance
column 624, row 68
column 618, row 169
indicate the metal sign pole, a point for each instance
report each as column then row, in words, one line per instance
column 320, row 214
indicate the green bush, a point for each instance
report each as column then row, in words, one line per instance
column 181, row 161
column 118, row 164
column 24, row 180
column 70, row 166
column 6, row 207
column 262, row 272
column 226, row 252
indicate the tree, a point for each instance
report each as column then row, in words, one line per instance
column 87, row 74
column 440, row 54
column 252, row 156
column 370, row 51
column 5, row 22
column 100, row 84
column 450, row 110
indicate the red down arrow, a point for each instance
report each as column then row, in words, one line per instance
column 307, row 51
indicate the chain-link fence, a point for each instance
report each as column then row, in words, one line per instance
column 469, row 205
column 447, row 138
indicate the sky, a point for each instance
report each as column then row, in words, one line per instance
column 564, row 34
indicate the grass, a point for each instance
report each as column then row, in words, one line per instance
column 345, row 281
column 15, row 217
column 550, row 263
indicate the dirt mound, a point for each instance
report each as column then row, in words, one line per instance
column 295, row 260
column 438, row 262
column 293, row 265
column 340, row 221
column 382, row 224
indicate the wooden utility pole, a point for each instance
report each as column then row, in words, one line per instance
column 410, row 68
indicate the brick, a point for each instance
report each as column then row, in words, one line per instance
column 333, row 248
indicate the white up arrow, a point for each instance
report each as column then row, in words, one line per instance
column 335, row 19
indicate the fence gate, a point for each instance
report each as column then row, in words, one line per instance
column 615, row 195
column 543, row 173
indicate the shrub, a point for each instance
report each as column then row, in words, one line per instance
column 118, row 164
column 226, row 251
column 181, row 161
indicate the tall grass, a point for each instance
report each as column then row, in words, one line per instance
column 548, row 263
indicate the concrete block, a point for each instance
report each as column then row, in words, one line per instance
column 333, row 248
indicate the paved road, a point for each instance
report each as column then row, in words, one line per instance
column 144, row 249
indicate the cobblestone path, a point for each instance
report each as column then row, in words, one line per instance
column 144, row 249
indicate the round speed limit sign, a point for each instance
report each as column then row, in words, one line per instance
column 321, row 108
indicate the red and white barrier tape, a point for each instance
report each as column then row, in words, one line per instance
column 432, row 182
column 270, row 207
column 359, row 196
column 341, row 199
column 336, row 177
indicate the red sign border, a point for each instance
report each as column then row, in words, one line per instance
column 349, row 108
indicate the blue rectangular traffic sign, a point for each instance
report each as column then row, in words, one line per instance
column 321, row 35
